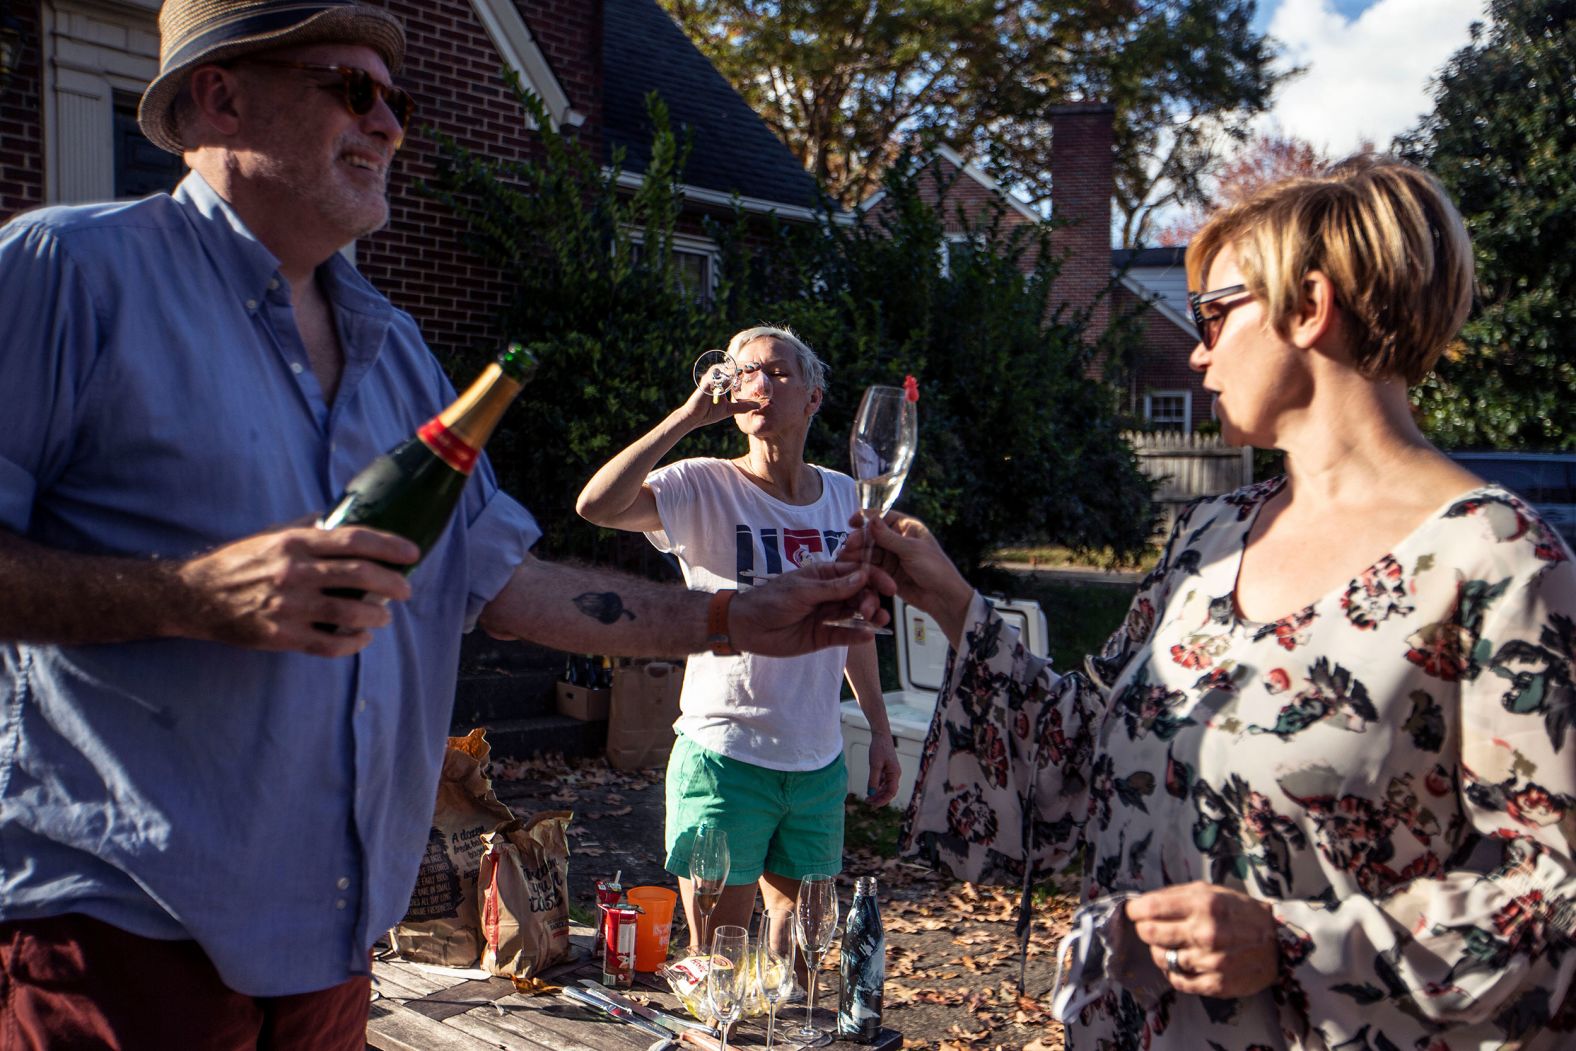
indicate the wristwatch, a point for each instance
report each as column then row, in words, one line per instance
column 717, row 623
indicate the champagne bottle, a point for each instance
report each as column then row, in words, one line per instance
column 412, row 490
column 863, row 967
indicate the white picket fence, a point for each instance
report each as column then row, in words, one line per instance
column 1188, row 466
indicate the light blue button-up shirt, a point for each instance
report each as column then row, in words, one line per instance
column 159, row 402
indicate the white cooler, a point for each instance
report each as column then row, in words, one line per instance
column 921, row 661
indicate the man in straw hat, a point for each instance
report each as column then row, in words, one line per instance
column 209, row 809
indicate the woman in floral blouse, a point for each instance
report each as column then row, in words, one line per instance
column 1330, row 752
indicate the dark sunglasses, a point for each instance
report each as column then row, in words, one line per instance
column 358, row 89
column 1209, row 327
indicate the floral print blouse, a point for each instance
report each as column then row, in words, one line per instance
column 1392, row 767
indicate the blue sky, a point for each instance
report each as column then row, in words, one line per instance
column 1344, row 8
column 1368, row 64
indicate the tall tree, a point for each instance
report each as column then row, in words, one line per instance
column 1501, row 138
column 848, row 85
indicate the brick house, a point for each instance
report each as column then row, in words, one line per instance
column 76, row 68
column 1163, row 390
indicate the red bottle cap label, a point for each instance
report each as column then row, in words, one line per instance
column 450, row 449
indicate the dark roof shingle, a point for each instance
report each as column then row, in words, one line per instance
column 732, row 151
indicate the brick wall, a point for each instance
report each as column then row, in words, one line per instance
column 1082, row 154
column 970, row 197
column 1163, row 365
column 21, row 126
column 452, row 67
column 968, row 203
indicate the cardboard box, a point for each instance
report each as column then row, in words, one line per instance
column 645, row 704
column 581, row 702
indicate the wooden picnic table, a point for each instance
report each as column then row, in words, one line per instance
column 414, row 1009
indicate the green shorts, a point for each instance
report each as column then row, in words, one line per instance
column 787, row 822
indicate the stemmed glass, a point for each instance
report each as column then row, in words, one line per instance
column 708, row 872
column 815, row 925
column 716, row 372
column 774, row 962
column 881, row 450
column 728, row 977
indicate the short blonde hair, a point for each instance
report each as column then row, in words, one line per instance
column 812, row 368
column 1386, row 235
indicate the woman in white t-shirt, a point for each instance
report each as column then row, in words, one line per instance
column 760, row 746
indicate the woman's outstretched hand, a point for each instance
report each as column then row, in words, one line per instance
column 789, row 614
column 1223, row 940
column 925, row 576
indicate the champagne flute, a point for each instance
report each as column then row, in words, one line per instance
column 708, row 872
column 815, row 925
column 728, row 976
column 774, row 952
column 717, row 373
column 881, row 450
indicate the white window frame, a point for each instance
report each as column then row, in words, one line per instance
column 1187, row 406
column 693, row 245
column 945, row 251
column 92, row 49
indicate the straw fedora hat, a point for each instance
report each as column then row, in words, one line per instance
column 194, row 32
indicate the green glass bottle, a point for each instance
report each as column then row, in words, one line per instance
column 412, row 490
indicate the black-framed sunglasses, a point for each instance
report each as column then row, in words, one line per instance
column 357, row 88
column 1209, row 327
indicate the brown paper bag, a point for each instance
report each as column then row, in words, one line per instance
column 644, row 706
column 523, row 895
column 441, row 925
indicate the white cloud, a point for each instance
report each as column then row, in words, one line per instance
column 1368, row 77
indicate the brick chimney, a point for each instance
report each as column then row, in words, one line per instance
column 1082, row 183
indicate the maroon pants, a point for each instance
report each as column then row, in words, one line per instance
column 74, row 982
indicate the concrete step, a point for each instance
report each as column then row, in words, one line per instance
column 523, row 738
column 482, row 697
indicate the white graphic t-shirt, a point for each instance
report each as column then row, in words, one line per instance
column 778, row 712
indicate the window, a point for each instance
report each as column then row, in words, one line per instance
column 952, row 247
column 693, row 270
column 95, row 53
column 1169, row 410
column 141, row 167
column 694, row 264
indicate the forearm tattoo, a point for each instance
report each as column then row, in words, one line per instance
column 604, row 606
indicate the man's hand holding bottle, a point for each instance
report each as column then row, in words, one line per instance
column 267, row 591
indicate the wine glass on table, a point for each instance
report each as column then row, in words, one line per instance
column 815, row 925
column 708, row 872
column 774, row 953
column 728, row 976
column 881, row 450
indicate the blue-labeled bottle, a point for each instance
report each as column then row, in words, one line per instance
column 863, row 967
